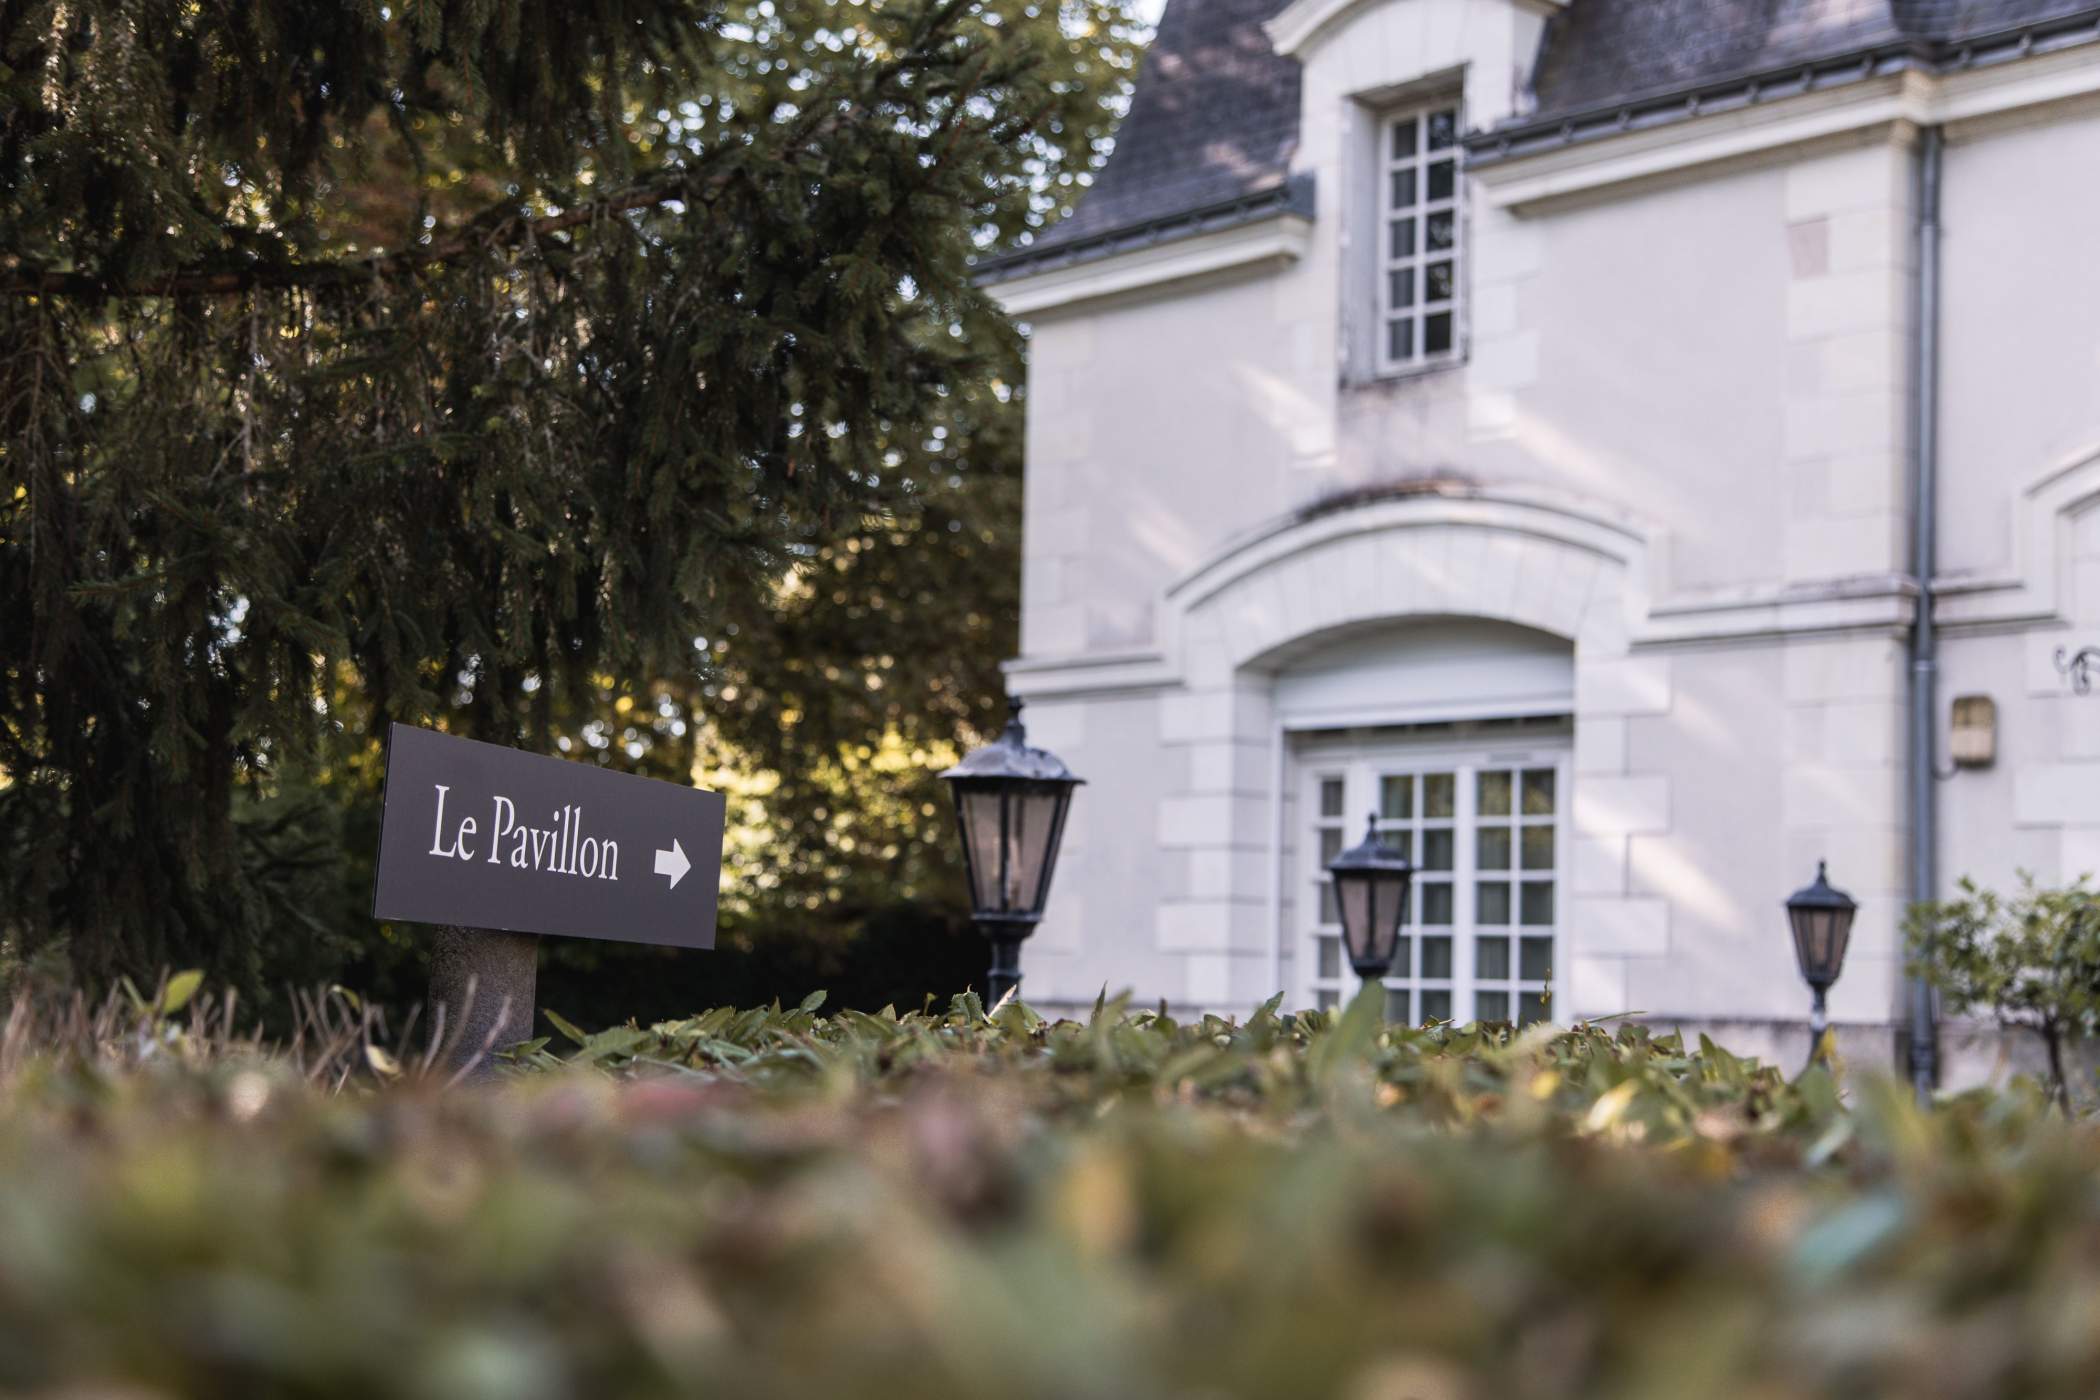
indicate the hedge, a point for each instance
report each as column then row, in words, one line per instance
column 773, row 1202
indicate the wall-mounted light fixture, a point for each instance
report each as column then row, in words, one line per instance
column 1973, row 735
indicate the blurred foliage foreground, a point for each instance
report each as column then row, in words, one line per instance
column 772, row 1203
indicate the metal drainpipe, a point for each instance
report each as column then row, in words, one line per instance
column 1924, row 642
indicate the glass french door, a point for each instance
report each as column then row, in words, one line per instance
column 1484, row 829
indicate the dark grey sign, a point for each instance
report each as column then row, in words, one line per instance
column 490, row 837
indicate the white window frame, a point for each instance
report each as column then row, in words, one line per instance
column 1359, row 760
column 1402, row 266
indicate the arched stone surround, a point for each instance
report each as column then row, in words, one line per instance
column 1230, row 625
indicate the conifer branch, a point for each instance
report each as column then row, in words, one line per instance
column 511, row 230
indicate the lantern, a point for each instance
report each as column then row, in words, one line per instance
column 1370, row 891
column 1010, row 805
column 1821, row 918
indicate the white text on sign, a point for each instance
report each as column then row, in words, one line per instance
column 560, row 848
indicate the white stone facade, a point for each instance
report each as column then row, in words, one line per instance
column 1677, row 447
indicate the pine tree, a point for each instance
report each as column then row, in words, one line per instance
column 361, row 363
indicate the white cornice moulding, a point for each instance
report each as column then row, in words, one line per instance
column 1296, row 27
column 1875, row 604
column 1898, row 103
column 1275, row 241
column 1884, row 605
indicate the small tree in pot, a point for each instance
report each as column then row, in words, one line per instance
column 2032, row 961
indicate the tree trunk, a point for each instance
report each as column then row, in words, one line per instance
column 2052, row 1035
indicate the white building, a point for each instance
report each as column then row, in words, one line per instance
column 1504, row 415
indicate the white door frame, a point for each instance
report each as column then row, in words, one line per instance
column 1358, row 751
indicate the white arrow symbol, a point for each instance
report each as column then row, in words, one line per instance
column 673, row 863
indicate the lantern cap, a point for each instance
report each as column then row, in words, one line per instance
column 1820, row 895
column 1371, row 854
column 1011, row 757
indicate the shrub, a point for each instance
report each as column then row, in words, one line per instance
column 772, row 1202
column 2032, row 961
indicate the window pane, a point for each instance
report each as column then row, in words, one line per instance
column 1400, row 286
column 1491, row 902
column 1405, row 136
column 1436, row 333
column 1491, row 1006
column 1439, row 794
column 1404, row 188
column 1330, row 957
column 1330, row 845
column 1327, row 1001
column 1403, row 238
column 1330, row 912
column 1538, row 792
column 1398, row 1000
column 1538, row 847
column 1443, row 129
column 1493, row 794
column 1330, row 797
column 1535, row 960
column 1437, row 282
column 1491, row 959
column 1443, row 178
column 1440, row 231
column 1436, row 849
column 1400, row 339
column 1436, row 1006
column 1396, row 796
column 1491, row 848
column 1531, row 1008
column 1537, row 903
column 1436, row 904
column 1436, row 958
column 1403, row 950
column 1403, row 842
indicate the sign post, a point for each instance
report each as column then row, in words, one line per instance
column 497, row 846
column 486, row 983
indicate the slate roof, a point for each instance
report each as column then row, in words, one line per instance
column 1214, row 120
column 1213, row 124
column 1599, row 52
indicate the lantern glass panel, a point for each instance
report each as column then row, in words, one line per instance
column 1820, row 938
column 1354, row 892
column 1392, row 897
column 979, row 809
column 1008, row 832
column 1371, row 903
column 1037, row 810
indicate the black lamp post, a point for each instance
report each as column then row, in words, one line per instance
column 1822, row 922
column 1370, row 890
column 1010, row 803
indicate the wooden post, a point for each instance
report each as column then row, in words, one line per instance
column 487, row 984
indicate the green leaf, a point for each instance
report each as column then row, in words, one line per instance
column 561, row 1023
column 1352, row 1034
column 813, row 1000
column 1836, row 1245
column 181, row 987
column 620, row 1040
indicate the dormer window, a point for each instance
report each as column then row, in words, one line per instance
column 1419, row 238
